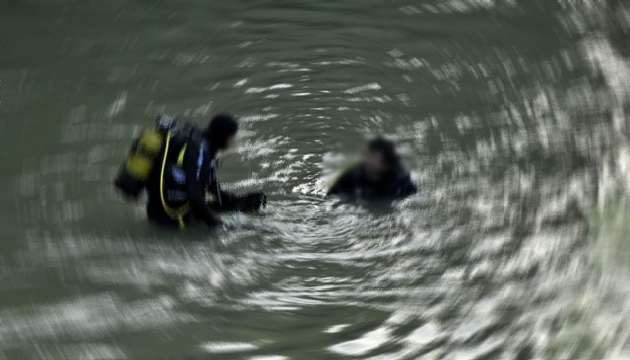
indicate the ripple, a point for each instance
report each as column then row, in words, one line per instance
column 509, row 115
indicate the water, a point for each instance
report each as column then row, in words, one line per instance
column 510, row 114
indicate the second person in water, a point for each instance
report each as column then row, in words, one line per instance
column 379, row 176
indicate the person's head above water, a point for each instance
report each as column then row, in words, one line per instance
column 381, row 156
column 221, row 132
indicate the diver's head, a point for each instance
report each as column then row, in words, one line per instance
column 221, row 132
column 380, row 157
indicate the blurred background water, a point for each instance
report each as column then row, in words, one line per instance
column 510, row 115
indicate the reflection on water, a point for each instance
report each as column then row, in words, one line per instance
column 510, row 114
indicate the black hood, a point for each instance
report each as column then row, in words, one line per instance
column 220, row 129
column 388, row 150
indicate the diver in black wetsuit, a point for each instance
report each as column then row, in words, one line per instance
column 178, row 184
column 379, row 176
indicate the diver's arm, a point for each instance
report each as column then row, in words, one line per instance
column 225, row 199
column 195, row 166
column 228, row 201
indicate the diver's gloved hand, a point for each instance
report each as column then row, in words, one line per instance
column 252, row 201
column 214, row 223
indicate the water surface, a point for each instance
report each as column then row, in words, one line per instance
column 510, row 115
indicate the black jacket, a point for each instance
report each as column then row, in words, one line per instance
column 355, row 183
column 186, row 182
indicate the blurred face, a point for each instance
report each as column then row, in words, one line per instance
column 374, row 162
column 230, row 141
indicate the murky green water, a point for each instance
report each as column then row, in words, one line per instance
column 510, row 114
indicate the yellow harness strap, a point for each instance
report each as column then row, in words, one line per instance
column 179, row 213
column 180, row 158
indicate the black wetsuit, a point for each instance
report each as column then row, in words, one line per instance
column 185, row 183
column 357, row 184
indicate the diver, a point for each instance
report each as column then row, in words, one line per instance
column 180, row 174
column 379, row 176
